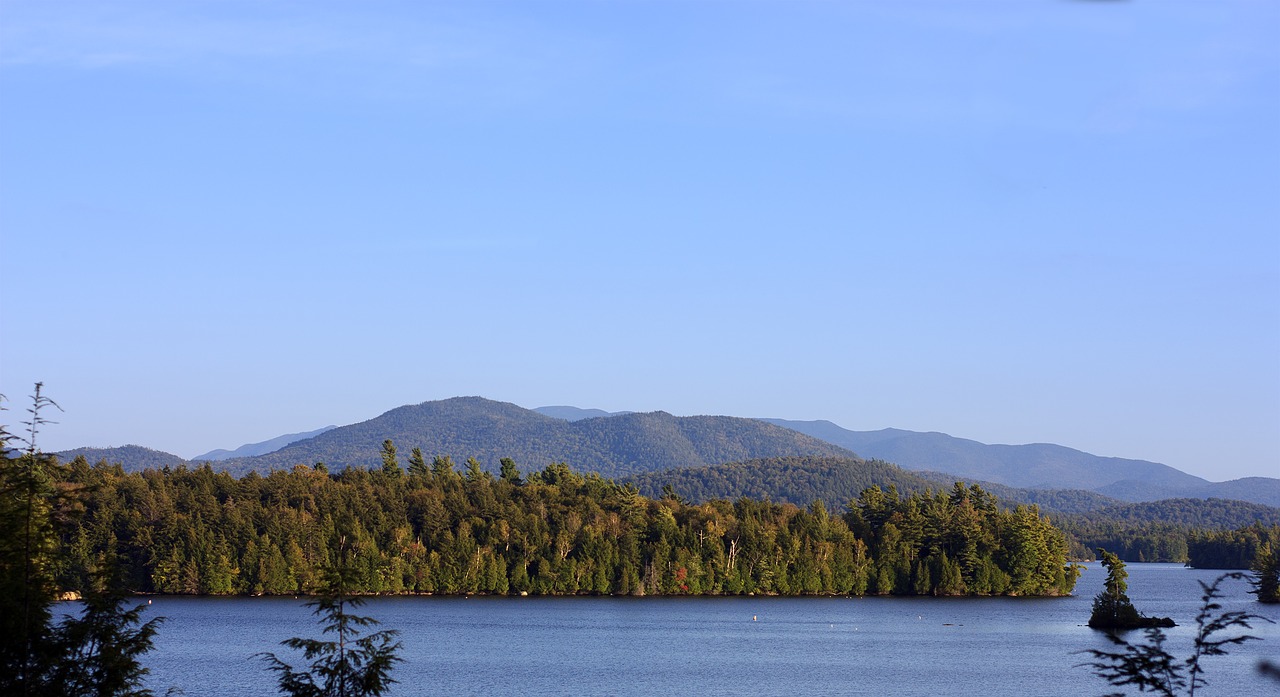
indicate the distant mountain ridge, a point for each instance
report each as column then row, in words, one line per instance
column 576, row 414
column 132, row 457
column 253, row 449
column 618, row 446
column 1036, row 466
column 837, row 481
column 628, row 443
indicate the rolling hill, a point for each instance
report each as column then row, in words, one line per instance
column 132, row 457
column 618, row 446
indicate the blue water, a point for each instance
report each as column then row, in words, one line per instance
column 713, row 646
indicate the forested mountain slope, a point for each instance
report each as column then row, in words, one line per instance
column 795, row 480
column 617, row 446
column 1049, row 500
column 135, row 457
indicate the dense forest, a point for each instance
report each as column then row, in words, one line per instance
column 835, row 481
column 1231, row 549
column 1169, row 530
column 1156, row 531
column 434, row 529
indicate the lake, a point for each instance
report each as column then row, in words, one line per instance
column 713, row 646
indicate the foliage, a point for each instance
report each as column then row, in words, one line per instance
column 349, row 665
column 1266, row 566
column 797, row 480
column 102, row 648
column 1231, row 549
column 552, row 532
column 1112, row 608
column 95, row 653
column 1192, row 513
column 488, row 430
column 1051, row 501
column 1151, row 668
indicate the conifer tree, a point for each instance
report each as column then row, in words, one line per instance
column 1266, row 585
column 1151, row 668
column 349, row 664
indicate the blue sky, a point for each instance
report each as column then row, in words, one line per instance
column 1009, row 221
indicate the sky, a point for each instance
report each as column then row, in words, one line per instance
column 1011, row 221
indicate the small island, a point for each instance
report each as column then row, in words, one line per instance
column 1112, row 609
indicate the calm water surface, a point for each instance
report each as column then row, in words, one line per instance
column 713, row 646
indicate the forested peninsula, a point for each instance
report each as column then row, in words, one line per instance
column 435, row 529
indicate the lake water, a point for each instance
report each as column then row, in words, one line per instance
column 713, row 646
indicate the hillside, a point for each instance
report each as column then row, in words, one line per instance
column 131, row 457
column 1049, row 500
column 1216, row 514
column 797, row 480
column 1261, row 490
column 618, row 446
column 266, row 446
column 835, row 481
column 1034, row 466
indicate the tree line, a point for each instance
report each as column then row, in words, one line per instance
column 436, row 528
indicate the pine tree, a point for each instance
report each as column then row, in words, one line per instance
column 1266, row 564
column 94, row 654
column 101, row 648
column 1151, row 668
column 1112, row 608
column 390, row 465
column 350, row 665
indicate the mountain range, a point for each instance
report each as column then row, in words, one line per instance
column 617, row 446
column 254, row 449
column 624, row 444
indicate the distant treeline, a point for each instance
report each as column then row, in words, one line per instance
column 1172, row 530
column 433, row 529
column 1232, row 549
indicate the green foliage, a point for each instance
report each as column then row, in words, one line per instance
column 1212, row 534
column 1266, row 566
column 390, row 465
column 350, row 664
column 1112, row 607
column 1231, row 549
column 555, row 532
column 102, row 647
column 488, row 430
column 1192, row 513
column 796, row 480
column 1151, row 668
column 95, row 653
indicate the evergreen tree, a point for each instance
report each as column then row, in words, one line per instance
column 27, row 590
column 418, row 463
column 509, row 471
column 1151, row 668
column 1112, row 608
column 349, row 665
column 93, row 654
column 390, row 465
column 1266, row 585
column 101, row 648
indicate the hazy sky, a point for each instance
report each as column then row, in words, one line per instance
column 1022, row 221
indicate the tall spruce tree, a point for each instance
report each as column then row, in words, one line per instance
column 95, row 653
column 349, row 664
